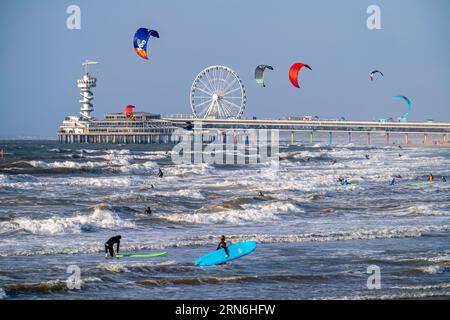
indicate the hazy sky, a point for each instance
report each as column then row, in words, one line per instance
column 41, row 59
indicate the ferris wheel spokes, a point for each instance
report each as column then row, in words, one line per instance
column 217, row 92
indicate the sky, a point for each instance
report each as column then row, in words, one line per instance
column 41, row 58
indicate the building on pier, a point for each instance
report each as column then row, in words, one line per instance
column 116, row 128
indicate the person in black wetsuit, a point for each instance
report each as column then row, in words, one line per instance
column 148, row 210
column 444, row 179
column 109, row 245
column 160, row 173
column 223, row 245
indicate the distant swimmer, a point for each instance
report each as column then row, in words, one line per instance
column 345, row 182
column 307, row 159
column 223, row 245
column 152, row 186
column 444, row 179
column 160, row 173
column 148, row 210
column 392, row 182
column 398, row 176
column 399, row 155
column 367, row 157
column 333, row 162
column 109, row 246
column 430, row 177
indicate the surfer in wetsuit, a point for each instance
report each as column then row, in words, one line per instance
column 367, row 157
column 392, row 182
column 444, row 179
column 261, row 194
column 109, row 245
column 148, row 210
column 223, row 245
column 333, row 162
column 160, row 173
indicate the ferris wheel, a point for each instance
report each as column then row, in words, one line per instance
column 217, row 93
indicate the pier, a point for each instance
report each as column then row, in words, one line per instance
column 423, row 132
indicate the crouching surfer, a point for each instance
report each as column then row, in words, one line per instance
column 109, row 246
column 223, row 245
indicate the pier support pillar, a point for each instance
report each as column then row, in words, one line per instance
column 349, row 137
column 425, row 138
column 273, row 136
column 406, row 138
column 368, row 138
column 445, row 138
column 292, row 136
column 330, row 138
column 311, row 137
column 387, row 138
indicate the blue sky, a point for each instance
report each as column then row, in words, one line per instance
column 41, row 59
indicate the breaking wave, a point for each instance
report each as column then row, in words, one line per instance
column 99, row 219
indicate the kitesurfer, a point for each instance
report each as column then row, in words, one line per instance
column 148, row 210
column 430, row 177
column 160, row 173
column 109, row 245
column 223, row 245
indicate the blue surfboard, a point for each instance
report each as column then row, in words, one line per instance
column 235, row 251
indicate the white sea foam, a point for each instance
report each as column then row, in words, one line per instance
column 137, row 168
column 2, row 294
column 250, row 213
column 99, row 219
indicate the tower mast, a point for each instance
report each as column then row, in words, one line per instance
column 85, row 85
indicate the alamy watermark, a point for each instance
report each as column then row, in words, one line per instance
column 374, row 20
column 374, row 280
column 74, row 280
column 226, row 147
column 73, row 21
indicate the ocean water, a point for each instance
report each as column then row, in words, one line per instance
column 316, row 239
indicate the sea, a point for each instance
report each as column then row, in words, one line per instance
column 316, row 239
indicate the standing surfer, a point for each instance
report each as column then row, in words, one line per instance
column 160, row 173
column 223, row 245
column 109, row 245
column 430, row 177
